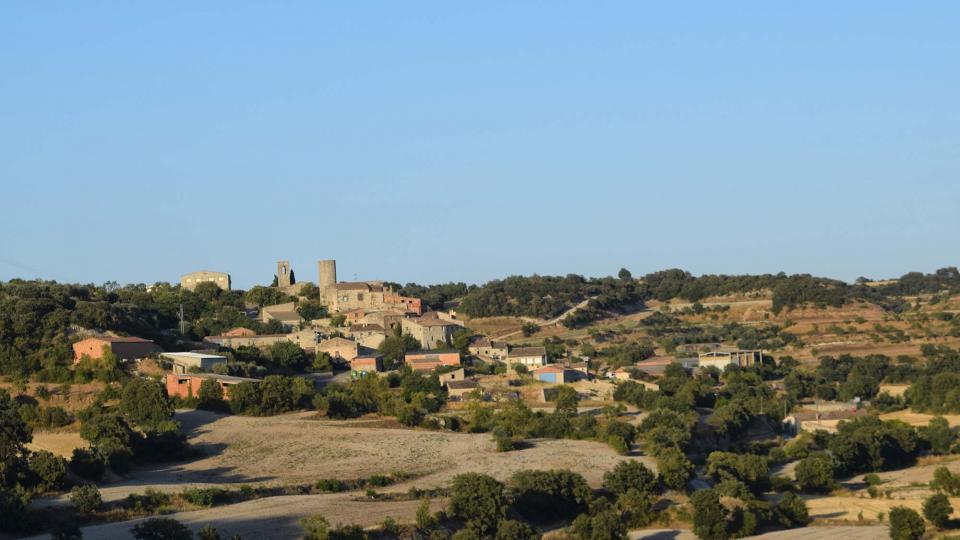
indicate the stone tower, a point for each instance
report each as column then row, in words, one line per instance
column 328, row 278
column 283, row 274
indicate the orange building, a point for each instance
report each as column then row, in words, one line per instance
column 367, row 364
column 124, row 348
column 427, row 361
column 187, row 385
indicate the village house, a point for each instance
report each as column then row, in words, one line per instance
column 368, row 335
column 367, row 364
column 486, row 348
column 812, row 421
column 187, row 385
column 621, row 374
column 183, row 362
column 557, row 374
column 720, row 359
column 340, row 348
column 285, row 313
column 428, row 360
column 528, row 356
column 430, row 331
column 456, row 375
column 124, row 348
column 458, row 390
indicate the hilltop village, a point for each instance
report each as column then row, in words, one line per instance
column 527, row 407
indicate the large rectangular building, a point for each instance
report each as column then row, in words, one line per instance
column 124, row 348
column 191, row 280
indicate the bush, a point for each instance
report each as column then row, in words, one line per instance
column 515, row 530
column 792, row 511
column 208, row 532
column 478, row 500
column 937, row 509
column 316, row 527
column 602, row 525
column 161, row 529
column 630, row 474
column 205, row 496
column 330, row 485
column 637, row 506
column 709, row 516
column 86, row 498
column 48, row 469
column 546, row 496
column 86, row 465
column 675, row 469
column 905, row 524
column 425, row 520
column 815, row 473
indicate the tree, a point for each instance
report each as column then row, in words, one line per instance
column 545, row 496
column 111, row 439
column 938, row 435
column 244, row 398
column 792, row 511
column 288, row 355
column 49, row 469
column 478, row 500
column 637, row 506
column 709, row 516
column 630, row 474
column 14, row 433
column 624, row 274
column 394, row 347
column 675, row 469
column 815, row 473
column 906, row 524
column 602, row 525
column 566, row 400
column 937, row 509
column 86, row 498
column 529, row 329
column 210, row 395
column 144, row 403
column 161, row 529
column 515, row 530
column 425, row 520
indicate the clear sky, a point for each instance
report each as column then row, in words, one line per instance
column 436, row 141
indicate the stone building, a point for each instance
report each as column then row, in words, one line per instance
column 528, row 356
column 720, row 359
column 191, row 280
column 365, row 295
column 430, row 331
column 306, row 339
column 285, row 313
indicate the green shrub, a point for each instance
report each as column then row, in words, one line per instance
column 937, row 509
column 161, row 529
column 330, row 485
column 906, row 524
column 86, row 498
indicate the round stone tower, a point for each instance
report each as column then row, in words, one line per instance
column 328, row 278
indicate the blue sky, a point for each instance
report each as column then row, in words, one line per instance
column 437, row 141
